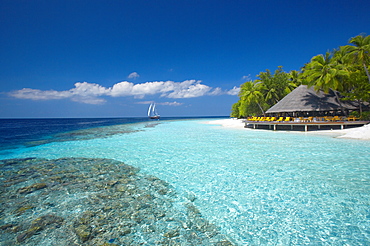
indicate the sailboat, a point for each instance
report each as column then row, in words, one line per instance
column 152, row 112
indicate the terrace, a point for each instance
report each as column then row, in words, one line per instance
column 306, row 109
column 303, row 123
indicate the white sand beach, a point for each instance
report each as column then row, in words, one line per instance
column 362, row 133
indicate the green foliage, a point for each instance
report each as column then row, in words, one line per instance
column 361, row 116
column 324, row 73
column 235, row 110
column 345, row 70
column 359, row 52
column 255, row 97
column 276, row 86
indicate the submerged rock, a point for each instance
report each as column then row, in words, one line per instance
column 95, row 202
column 31, row 188
column 83, row 232
column 23, row 209
column 40, row 224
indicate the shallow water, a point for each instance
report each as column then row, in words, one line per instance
column 259, row 187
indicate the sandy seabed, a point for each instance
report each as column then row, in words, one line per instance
column 362, row 133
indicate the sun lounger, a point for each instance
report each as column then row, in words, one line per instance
column 352, row 118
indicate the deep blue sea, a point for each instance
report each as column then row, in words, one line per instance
column 257, row 187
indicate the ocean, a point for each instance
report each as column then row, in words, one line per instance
column 179, row 181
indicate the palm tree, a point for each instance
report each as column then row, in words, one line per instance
column 276, row 86
column 270, row 88
column 325, row 73
column 360, row 52
column 295, row 78
column 251, row 92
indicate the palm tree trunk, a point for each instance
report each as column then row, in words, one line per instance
column 263, row 112
column 340, row 103
column 367, row 71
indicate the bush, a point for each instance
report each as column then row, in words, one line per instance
column 364, row 116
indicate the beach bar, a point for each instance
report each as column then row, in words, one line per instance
column 305, row 109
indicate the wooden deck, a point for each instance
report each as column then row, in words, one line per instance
column 303, row 126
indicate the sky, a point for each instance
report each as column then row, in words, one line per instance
column 112, row 58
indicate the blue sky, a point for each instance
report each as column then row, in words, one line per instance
column 112, row 58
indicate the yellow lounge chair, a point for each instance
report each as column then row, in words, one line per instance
column 353, row 118
column 281, row 119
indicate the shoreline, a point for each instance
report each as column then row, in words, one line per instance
column 359, row 133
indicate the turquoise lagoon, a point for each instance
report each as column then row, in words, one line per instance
column 258, row 187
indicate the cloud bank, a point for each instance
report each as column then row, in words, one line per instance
column 91, row 93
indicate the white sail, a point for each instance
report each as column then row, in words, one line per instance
column 150, row 109
column 152, row 112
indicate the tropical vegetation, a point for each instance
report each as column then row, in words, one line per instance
column 344, row 70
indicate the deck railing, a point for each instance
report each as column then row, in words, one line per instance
column 303, row 119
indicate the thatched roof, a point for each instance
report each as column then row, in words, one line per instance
column 303, row 99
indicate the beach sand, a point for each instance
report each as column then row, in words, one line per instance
column 362, row 133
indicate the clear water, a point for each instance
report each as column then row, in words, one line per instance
column 259, row 187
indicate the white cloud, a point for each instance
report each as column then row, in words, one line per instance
column 187, row 89
column 133, row 75
column 246, row 77
column 170, row 103
column 216, row 91
column 34, row 94
column 88, row 100
column 91, row 93
column 89, row 89
column 234, row 91
column 145, row 102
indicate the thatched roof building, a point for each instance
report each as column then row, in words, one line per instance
column 304, row 99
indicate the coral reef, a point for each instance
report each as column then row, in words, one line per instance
column 83, row 201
